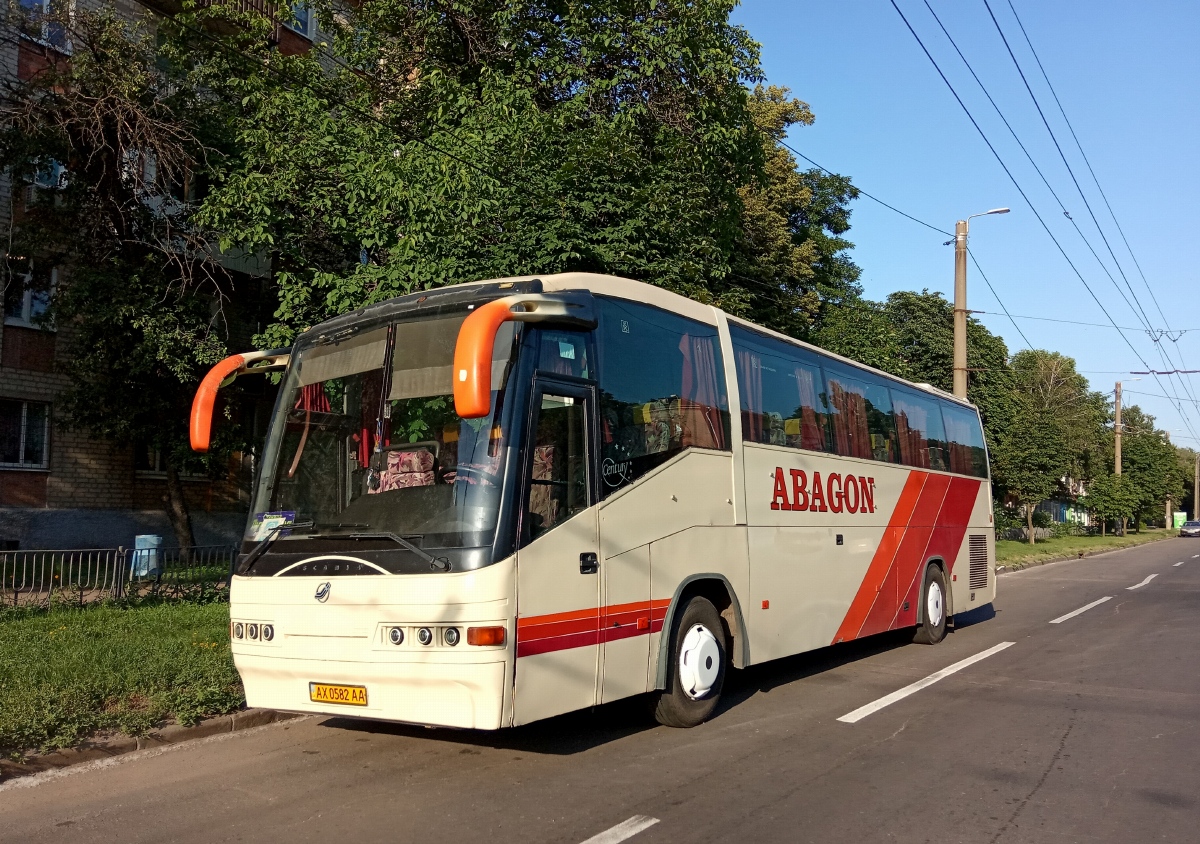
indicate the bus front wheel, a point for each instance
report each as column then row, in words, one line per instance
column 698, row 662
column 932, row 628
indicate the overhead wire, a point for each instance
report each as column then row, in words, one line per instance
column 1062, row 111
column 1030, row 158
column 1079, row 188
column 1023, row 194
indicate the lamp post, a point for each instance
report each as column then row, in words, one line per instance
column 960, row 300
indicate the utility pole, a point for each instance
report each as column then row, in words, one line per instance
column 960, row 309
column 1196, row 492
column 960, row 301
column 1117, row 434
column 1117, row 443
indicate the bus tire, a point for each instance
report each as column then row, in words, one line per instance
column 699, row 660
column 932, row 628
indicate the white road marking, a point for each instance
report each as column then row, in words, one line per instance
column 623, row 830
column 1195, row 556
column 900, row 694
column 1080, row 611
column 1140, row 585
column 1180, row 563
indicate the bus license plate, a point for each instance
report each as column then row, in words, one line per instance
column 330, row 693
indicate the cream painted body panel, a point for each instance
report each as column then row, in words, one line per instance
column 343, row 640
column 676, row 521
column 624, row 661
column 549, row 582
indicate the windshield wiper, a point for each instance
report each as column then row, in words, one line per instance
column 435, row 563
column 261, row 548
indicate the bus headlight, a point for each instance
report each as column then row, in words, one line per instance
column 451, row 636
column 396, row 636
column 238, row 630
column 251, row 631
column 268, row 632
column 425, row 636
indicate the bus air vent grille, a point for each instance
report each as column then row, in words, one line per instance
column 979, row 562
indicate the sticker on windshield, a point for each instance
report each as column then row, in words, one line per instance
column 264, row 523
column 566, row 350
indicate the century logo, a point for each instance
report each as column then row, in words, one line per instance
column 835, row 493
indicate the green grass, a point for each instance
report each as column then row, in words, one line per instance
column 68, row 673
column 1017, row 554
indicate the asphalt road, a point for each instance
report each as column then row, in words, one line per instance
column 1083, row 730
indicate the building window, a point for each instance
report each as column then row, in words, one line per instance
column 302, row 20
column 24, row 434
column 44, row 24
column 27, row 297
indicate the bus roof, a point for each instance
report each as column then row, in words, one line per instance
column 604, row 285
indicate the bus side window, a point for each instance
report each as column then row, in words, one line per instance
column 662, row 389
column 782, row 392
column 919, row 431
column 861, row 410
column 558, row 483
column 964, row 441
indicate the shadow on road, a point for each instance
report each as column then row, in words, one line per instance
column 564, row 735
column 576, row 732
column 965, row 619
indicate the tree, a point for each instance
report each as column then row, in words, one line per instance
column 490, row 139
column 1030, row 455
column 140, row 291
column 1151, row 462
column 1050, row 380
column 790, row 249
column 1110, row 496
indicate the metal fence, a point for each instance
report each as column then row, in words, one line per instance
column 81, row 577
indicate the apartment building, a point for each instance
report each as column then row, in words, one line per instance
column 61, row 487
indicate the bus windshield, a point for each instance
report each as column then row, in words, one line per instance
column 366, row 440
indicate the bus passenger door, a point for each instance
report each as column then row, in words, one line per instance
column 558, row 578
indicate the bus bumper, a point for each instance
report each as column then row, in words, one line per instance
column 457, row 694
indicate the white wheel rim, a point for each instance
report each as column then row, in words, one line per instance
column 933, row 604
column 699, row 662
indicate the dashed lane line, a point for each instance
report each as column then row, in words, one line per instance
column 887, row 700
column 1140, row 585
column 1180, row 563
column 623, row 830
column 1079, row 611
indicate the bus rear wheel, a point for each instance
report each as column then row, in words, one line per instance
column 698, row 663
column 932, row 628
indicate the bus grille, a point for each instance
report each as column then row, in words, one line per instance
column 979, row 562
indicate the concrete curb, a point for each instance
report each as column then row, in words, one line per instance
column 103, row 747
column 1015, row 567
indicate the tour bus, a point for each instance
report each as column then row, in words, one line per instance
column 491, row 503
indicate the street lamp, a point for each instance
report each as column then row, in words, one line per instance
column 960, row 300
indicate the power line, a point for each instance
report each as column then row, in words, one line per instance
column 1179, row 332
column 1002, row 307
column 1145, row 318
column 864, row 193
column 1033, row 163
column 1024, row 196
column 1079, row 146
column 1061, row 154
column 975, row 261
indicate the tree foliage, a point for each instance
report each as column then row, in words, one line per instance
column 140, row 291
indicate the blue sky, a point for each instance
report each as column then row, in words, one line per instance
column 1127, row 75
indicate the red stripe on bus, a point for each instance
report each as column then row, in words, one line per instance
column 881, row 562
column 945, row 542
column 909, row 556
column 581, row 628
